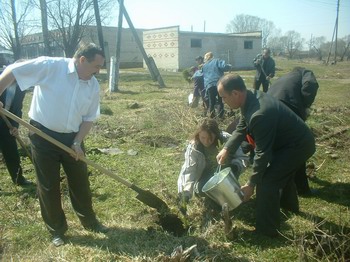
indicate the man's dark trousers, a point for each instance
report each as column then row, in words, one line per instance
column 47, row 159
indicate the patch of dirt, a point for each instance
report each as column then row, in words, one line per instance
column 159, row 141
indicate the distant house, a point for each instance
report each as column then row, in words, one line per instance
column 175, row 50
column 130, row 55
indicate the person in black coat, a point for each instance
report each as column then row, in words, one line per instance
column 297, row 90
column 282, row 143
column 265, row 69
column 12, row 98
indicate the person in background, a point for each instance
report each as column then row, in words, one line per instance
column 198, row 85
column 213, row 69
column 12, row 100
column 265, row 69
column 199, row 61
column 65, row 103
column 200, row 162
column 282, row 143
column 297, row 90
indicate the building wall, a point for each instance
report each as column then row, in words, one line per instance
column 163, row 45
column 243, row 57
column 225, row 47
column 130, row 54
column 176, row 50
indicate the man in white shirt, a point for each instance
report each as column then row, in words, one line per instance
column 65, row 103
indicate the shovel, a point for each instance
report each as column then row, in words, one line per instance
column 168, row 221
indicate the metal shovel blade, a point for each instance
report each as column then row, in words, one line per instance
column 150, row 199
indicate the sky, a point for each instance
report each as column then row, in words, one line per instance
column 308, row 17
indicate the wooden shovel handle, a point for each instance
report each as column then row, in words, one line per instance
column 63, row 147
column 20, row 141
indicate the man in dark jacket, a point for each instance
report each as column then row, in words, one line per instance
column 12, row 99
column 297, row 90
column 265, row 69
column 282, row 143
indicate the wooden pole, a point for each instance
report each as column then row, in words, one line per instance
column 336, row 35
column 151, row 67
column 119, row 41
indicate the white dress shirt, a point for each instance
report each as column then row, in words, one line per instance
column 61, row 101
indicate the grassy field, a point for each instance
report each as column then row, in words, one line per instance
column 147, row 128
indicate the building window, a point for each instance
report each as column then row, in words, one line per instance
column 196, row 43
column 248, row 44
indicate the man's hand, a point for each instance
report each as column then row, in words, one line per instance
column 248, row 191
column 268, row 78
column 78, row 151
column 14, row 131
column 1, row 104
column 221, row 157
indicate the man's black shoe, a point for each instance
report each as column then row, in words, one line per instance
column 57, row 240
column 97, row 228
column 24, row 182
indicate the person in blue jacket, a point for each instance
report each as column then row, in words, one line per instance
column 213, row 69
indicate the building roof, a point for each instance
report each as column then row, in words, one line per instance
column 253, row 33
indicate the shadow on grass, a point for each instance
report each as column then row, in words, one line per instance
column 24, row 192
column 337, row 193
column 326, row 225
column 125, row 92
column 246, row 237
column 138, row 242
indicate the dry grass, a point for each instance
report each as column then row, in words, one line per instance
column 155, row 123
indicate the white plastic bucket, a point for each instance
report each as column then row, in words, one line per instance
column 223, row 187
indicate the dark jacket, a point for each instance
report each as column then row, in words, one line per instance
column 296, row 89
column 268, row 65
column 275, row 129
column 16, row 108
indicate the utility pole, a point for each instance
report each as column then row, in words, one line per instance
column 119, row 42
column 336, row 34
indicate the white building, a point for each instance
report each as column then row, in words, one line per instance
column 175, row 50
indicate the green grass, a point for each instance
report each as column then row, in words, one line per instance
column 156, row 123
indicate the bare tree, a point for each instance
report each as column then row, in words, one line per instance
column 13, row 24
column 276, row 44
column 346, row 48
column 69, row 18
column 292, row 42
column 247, row 23
column 315, row 45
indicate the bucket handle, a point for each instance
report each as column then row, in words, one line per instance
column 218, row 169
